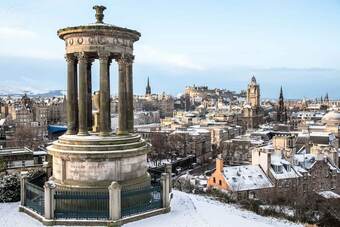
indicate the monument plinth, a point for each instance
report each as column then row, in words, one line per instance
column 89, row 155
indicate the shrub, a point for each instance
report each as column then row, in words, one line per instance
column 10, row 188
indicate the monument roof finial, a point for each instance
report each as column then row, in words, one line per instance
column 99, row 13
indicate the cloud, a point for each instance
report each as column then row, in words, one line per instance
column 16, row 33
column 150, row 55
column 20, row 42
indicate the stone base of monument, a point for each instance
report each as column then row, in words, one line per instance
column 97, row 181
column 93, row 162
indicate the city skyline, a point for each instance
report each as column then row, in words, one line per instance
column 219, row 45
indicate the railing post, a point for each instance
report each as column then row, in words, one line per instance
column 47, row 169
column 168, row 169
column 115, row 201
column 165, row 181
column 49, row 190
column 23, row 181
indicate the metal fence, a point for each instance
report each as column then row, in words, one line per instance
column 34, row 197
column 81, row 205
column 140, row 200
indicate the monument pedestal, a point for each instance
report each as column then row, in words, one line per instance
column 94, row 162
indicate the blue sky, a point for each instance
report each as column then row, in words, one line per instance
column 291, row 43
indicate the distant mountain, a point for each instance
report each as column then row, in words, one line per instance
column 52, row 93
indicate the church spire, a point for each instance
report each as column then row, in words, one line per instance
column 281, row 93
column 281, row 111
column 326, row 99
column 148, row 88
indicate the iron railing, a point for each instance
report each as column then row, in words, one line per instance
column 34, row 197
column 140, row 200
column 81, row 205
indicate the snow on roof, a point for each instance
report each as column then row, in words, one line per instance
column 304, row 160
column 281, row 168
column 317, row 127
column 329, row 195
column 299, row 170
column 247, row 177
column 284, row 173
column 39, row 152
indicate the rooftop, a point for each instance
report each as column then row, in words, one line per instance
column 247, row 177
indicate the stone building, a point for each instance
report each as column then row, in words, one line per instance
column 20, row 116
column 252, row 111
column 20, row 159
column 56, row 110
column 302, row 175
column 162, row 102
column 191, row 141
column 237, row 151
column 246, row 181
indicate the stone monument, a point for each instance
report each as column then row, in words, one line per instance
column 88, row 157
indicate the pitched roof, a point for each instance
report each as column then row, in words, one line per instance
column 246, row 177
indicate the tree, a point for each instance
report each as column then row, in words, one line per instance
column 27, row 137
column 160, row 146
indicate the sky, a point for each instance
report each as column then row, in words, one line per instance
column 221, row 44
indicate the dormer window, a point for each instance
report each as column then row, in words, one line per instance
column 277, row 169
column 287, row 167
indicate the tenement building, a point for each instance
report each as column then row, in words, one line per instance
column 97, row 174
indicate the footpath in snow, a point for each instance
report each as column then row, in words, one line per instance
column 187, row 210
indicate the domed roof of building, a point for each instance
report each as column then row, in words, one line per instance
column 331, row 118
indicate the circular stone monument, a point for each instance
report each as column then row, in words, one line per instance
column 84, row 158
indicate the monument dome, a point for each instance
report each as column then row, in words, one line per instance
column 332, row 118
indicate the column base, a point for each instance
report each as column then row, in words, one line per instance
column 70, row 132
column 83, row 134
column 122, row 133
column 104, row 133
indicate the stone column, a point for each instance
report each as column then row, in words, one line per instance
column 49, row 189
column 83, row 129
column 165, row 182
column 129, row 91
column 71, row 94
column 23, row 179
column 115, row 201
column 122, row 96
column 75, row 98
column 104, row 107
column 89, row 95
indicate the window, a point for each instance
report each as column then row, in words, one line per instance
column 220, row 182
column 214, row 180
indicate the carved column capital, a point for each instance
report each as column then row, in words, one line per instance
column 125, row 59
column 90, row 61
column 82, row 57
column 103, row 55
column 70, row 58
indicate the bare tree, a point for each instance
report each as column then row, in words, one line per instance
column 27, row 137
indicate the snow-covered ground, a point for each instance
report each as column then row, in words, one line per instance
column 187, row 210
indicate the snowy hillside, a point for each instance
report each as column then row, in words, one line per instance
column 187, row 211
column 193, row 210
